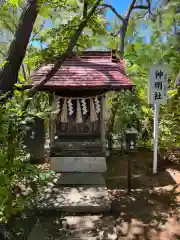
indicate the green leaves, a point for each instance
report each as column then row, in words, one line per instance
column 172, row 93
column 18, row 174
column 19, row 180
column 15, row 3
column 151, row 42
column 126, row 104
column 45, row 11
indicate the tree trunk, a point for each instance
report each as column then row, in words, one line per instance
column 115, row 98
column 122, row 38
column 17, row 50
column 72, row 42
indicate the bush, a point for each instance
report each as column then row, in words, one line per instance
column 19, row 180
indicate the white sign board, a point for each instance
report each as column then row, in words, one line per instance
column 158, row 84
column 157, row 94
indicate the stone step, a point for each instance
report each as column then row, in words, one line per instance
column 79, row 179
column 78, row 164
column 73, row 145
column 85, row 148
column 77, row 153
column 75, row 227
column 91, row 199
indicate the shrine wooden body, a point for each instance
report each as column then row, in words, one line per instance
column 72, row 138
column 77, row 96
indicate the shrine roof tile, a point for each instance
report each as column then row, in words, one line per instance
column 91, row 70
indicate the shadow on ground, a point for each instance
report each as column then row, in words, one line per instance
column 150, row 212
column 143, row 214
column 142, row 176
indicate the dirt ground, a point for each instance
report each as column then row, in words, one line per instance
column 150, row 212
column 152, row 209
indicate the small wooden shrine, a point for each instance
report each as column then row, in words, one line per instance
column 77, row 125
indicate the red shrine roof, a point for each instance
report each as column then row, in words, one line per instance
column 92, row 70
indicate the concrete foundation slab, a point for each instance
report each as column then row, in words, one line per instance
column 75, row 199
column 78, row 164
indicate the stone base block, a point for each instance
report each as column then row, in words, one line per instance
column 79, row 179
column 78, row 164
column 75, row 199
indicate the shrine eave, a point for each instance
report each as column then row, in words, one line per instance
column 91, row 71
column 57, row 88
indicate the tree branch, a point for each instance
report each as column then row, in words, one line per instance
column 130, row 10
column 37, row 32
column 141, row 17
column 140, row 7
column 113, row 10
column 116, row 34
column 72, row 42
column 92, row 11
column 85, row 9
column 149, row 6
column 3, row 54
column 125, row 23
column 24, row 71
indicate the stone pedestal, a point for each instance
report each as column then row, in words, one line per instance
column 63, row 179
column 84, row 199
column 78, row 164
column 75, row 192
column 78, row 185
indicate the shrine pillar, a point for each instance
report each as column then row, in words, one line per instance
column 102, row 123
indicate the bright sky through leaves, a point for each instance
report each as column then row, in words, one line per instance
column 120, row 5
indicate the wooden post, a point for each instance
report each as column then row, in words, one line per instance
column 49, row 120
column 129, row 173
column 102, row 123
column 52, row 122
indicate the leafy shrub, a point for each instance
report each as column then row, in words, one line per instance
column 19, row 180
